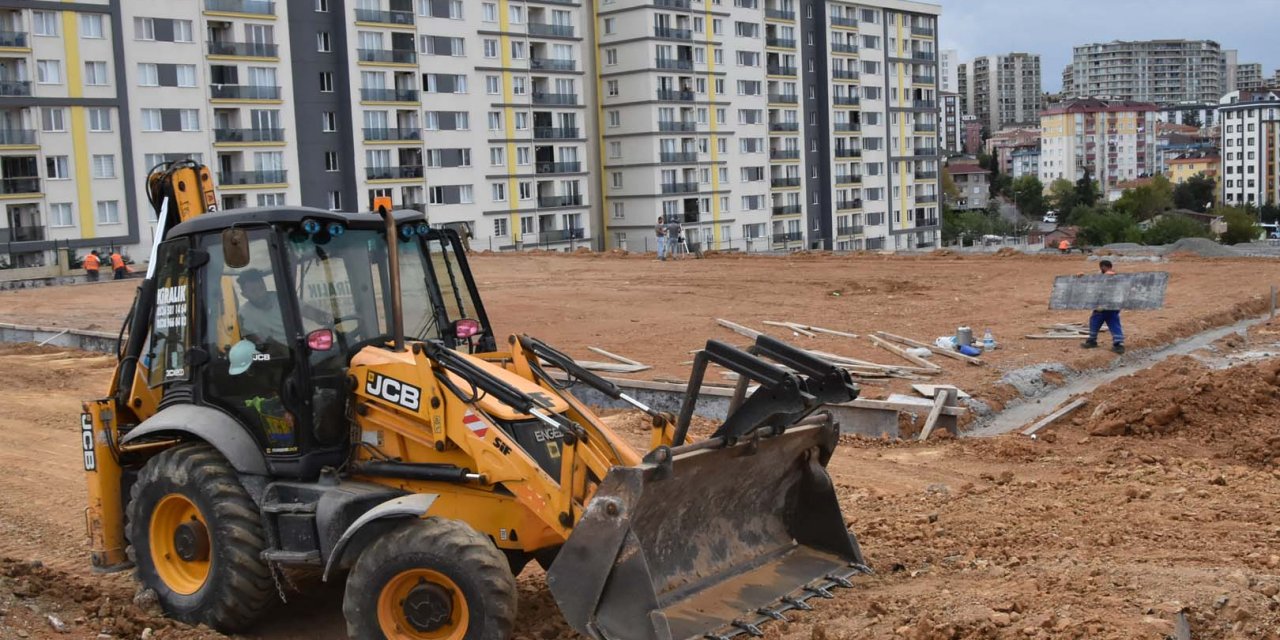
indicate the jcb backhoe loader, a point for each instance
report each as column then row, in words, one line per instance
column 271, row 409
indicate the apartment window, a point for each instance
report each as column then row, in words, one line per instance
column 498, row 191
column 322, row 6
column 495, row 121
column 148, row 74
column 60, row 215
column 270, row 199
column 522, row 121
column 497, row 156
column 331, row 161
column 104, row 166
column 611, row 87
column 500, row 227
column 490, row 48
column 322, row 42
column 190, row 119
column 326, row 82
column 516, row 14
column 99, row 119
column 44, row 23
column 53, row 119
column 526, row 190
column 95, row 73
column 329, row 121
column 56, row 168
column 518, row 49
column 615, row 149
column 526, row 225
column 615, row 118
column 522, row 156
column 151, row 120
column 619, row 211
column 608, row 26
column 91, row 25
column 492, row 85
column 335, row 200
column 49, row 71
column 519, row 85
column 182, row 31
column 186, row 74
column 615, row 179
column 108, row 212
column 489, row 12
column 611, row 57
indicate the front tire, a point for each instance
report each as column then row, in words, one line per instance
column 431, row 579
column 196, row 538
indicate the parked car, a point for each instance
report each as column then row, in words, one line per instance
column 1051, row 217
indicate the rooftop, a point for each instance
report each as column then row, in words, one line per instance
column 1095, row 105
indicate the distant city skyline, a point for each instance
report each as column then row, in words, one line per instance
column 1051, row 29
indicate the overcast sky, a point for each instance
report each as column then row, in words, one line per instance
column 1052, row 27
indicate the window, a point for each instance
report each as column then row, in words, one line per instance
column 53, row 119
column 44, row 23
column 322, row 6
column 498, row 191
column 190, row 119
column 495, row 121
column 522, row 120
column 492, row 85
column 526, row 190
column 326, row 82
column 104, row 166
column 518, row 49
column 182, row 31
column 108, row 212
column 91, row 25
column 329, row 121
column 519, row 85
column 49, row 71
column 148, row 74
column 490, row 48
column 516, row 14
column 335, row 200
column 615, row 118
column 186, row 74
column 331, row 161
column 522, row 155
column 615, row 179
column 500, row 227
column 270, row 199
column 608, row 26
column 489, row 12
column 99, row 119
column 95, row 73
column 615, row 149
column 322, row 42
column 611, row 87
column 611, row 57
column 56, row 168
column 526, row 225
column 60, row 215
column 151, row 120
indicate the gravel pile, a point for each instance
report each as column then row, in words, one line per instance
column 1202, row 247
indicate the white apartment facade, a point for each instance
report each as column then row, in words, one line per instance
column 1110, row 141
column 1159, row 71
column 1250, row 147
column 1003, row 90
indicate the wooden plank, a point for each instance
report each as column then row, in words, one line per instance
column 931, row 390
column 844, row 360
column 798, row 328
column 954, row 410
column 938, row 404
column 949, row 353
column 616, row 357
column 1056, row 415
column 832, row 332
column 930, row 368
column 739, row 329
column 1049, row 336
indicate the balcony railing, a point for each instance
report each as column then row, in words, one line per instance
column 843, row 22
column 552, row 64
column 389, row 95
column 20, row 185
column 849, row 230
column 676, row 125
column 243, row 49
column 784, row 154
column 679, row 187
column 784, row 98
column 846, row 126
column 844, row 74
column 672, row 4
column 784, row 126
column 921, row 79
column 252, row 177
column 848, row 204
column 389, row 133
column 848, row 153
column 786, row 209
column 561, row 235
column 848, row 179
column 926, row 175
column 394, row 56
column 22, row 234
column 550, row 30
column 248, row 135
column 257, row 7
column 674, row 63
column 790, row 236
column 558, row 167
column 385, row 17
column 925, row 152
column 678, row 156
column 562, row 99
column 927, row 198
column 673, row 33
column 673, row 94
column 555, row 133
column 840, row 47
column 844, row 100
column 919, row 55
column 779, row 70
column 551, row 202
column 926, row 126
column 784, row 182
column 13, row 38
column 393, row 173
column 780, row 14
column 781, row 43
column 17, row 136
column 924, row 104
column 922, row 31
column 243, row 92
column 15, row 87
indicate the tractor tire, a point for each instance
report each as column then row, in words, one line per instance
column 196, row 539
column 432, row 578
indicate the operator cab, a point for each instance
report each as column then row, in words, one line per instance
column 259, row 311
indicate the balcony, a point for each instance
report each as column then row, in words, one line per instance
column 393, row 173
column 784, row 126
column 780, row 14
column 555, row 133
column 840, row 47
column 845, row 205
column 551, row 64
column 248, row 135
column 784, row 154
column 550, row 30
column 16, row 39
column 558, row 167
column 671, row 33
column 927, row 56
column 389, row 95
column 15, row 87
column 784, row 98
column 784, row 182
column 675, row 64
column 926, row 199
column 17, row 136
column 679, row 187
column 926, row 126
column 14, row 186
column 844, row 74
column 251, row 177
column 790, row 236
column 21, row 234
column 676, row 125
column 778, row 70
column 922, row 31
column 671, row 4
column 922, row 79
column 389, row 134
column 388, row 56
column 405, row 18
column 243, row 92
column 844, row 22
column 561, row 99
column 256, row 7
column 786, row 209
column 674, row 95
column 848, row 179
column 780, row 43
column 846, row 127
column 924, row 104
column 925, row 152
column 678, row 156
column 847, row 101
column 926, row 175
column 552, row 202
column 848, row 153
column 850, row 230
column 561, row 235
column 243, row 49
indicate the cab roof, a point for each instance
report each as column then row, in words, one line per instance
column 253, row 216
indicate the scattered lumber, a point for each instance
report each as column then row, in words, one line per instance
column 615, row 357
column 931, row 390
column 1055, row 416
column 929, row 367
column 949, row 353
column 1056, row 336
column 739, row 329
column 944, row 399
column 799, row 329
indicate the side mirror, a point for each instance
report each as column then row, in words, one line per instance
column 320, row 340
column 235, row 247
column 465, row 328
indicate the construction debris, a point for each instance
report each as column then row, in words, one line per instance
column 945, row 398
column 739, row 329
column 1062, row 331
column 931, row 390
column 1055, row 416
column 949, row 353
column 929, row 368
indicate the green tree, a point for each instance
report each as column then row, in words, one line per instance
column 1198, row 193
column 1241, row 226
column 1100, row 228
column 950, row 224
column 1028, row 194
column 1147, row 201
column 1087, row 192
column 1269, row 213
column 1192, row 119
column 1172, row 227
column 949, row 186
column 1062, row 196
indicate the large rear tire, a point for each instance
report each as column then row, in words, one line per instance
column 196, row 538
column 432, row 579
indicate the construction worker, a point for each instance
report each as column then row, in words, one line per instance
column 660, row 230
column 91, row 264
column 118, row 266
column 1109, row 316
column 673, row 236
column 1064, row 246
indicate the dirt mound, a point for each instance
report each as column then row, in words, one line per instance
column 1232, row 408
column 1007, row 252
column 1200, row 247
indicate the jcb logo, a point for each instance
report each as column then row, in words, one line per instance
column 392, row 390
column 86, row 442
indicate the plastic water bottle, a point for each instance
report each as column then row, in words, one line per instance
column 988, row 341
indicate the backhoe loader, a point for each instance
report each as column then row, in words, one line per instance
column 301, row 388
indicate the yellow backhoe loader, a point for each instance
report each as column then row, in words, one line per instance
column 306, row 388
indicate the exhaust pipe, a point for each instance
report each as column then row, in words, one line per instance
column 382, row 205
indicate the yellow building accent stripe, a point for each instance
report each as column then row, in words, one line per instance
column 79, row 123
column 509, row 121
column 714, row 143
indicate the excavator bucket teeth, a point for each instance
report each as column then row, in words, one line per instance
column 703, row 542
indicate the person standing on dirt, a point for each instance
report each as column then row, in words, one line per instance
column 1064, row 246
column 118, row 266
column 1109, row 316
column 673, row 236
column 660, row 230
column 91, row 265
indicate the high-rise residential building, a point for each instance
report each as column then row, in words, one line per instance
column 760, row 124
column 948, row 71
column 952, row 132
column 1250, row 148
column 1111, row 141
column 1068, row 82
column 1248, row 77
column 1230, row 61
column 1159, row 71
column 962, row 89
column 1004, row 90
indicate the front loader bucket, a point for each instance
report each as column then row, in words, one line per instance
column 712, row 541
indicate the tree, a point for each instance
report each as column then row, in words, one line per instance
column 1241, row 227
column 950, row 224
column 1269, row 213
column 1173, row 227
column 1098, row 229
column 1147, row 201
column 1062, row 195
column 1198, row 193
column 1087, row 192
column 1192, row 119
column 1028, row 195
column 949, row 187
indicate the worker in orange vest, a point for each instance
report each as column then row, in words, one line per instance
column 1064, row 246
column 91, row 264
column 118, row 265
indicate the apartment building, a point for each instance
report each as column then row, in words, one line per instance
column 948, row 71
column 65, row 179
column 1003, row 90
column 952, row 130
column 1159, row 71
column 1248, row 77
column 1111, row 141
column 1250, row 148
